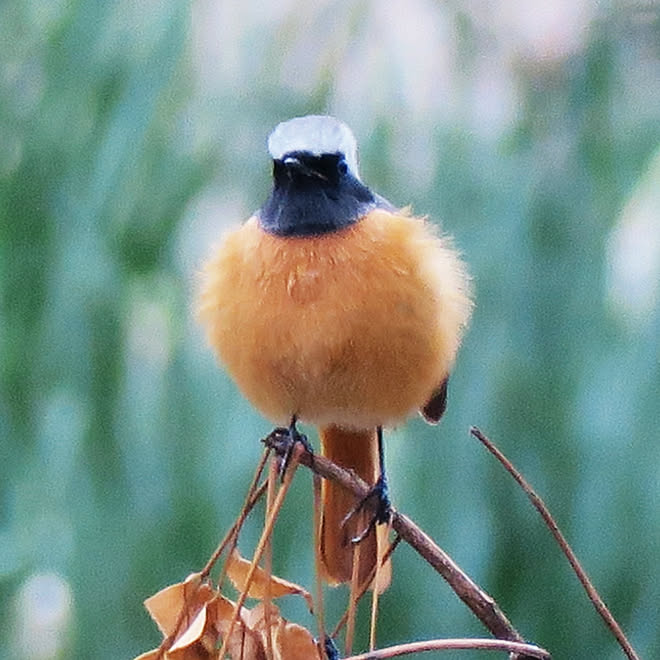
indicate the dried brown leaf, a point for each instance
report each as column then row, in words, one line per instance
column 166, row 606
column 192, row 633
column 238, row 569
column 244, row 643
column 290, row 640
column 294, row 642
column 256, row 618
column 260, row 623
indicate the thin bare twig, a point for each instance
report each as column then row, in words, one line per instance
column 320, row 606
column 529, row 650
column 273, row 474
column 543, row 510
column 482, row 605
column 352, row 596
column 261, row 545
column 365, row 584
column 375, row 594
column 251, row 499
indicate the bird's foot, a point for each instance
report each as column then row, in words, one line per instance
column 330, row 647
column 284, row 439
column 383, row 508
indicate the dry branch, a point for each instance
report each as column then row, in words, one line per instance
column 529, row 650
column 543, row 510
column 482, row 605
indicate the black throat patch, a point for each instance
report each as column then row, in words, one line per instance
column 314, row 195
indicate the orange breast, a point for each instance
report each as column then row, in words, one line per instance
column 354, row 328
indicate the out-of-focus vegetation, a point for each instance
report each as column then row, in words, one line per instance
column 131, row 133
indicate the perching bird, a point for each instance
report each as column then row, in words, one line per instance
column 333, row 307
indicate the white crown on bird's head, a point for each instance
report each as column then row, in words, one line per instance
column 316, row 134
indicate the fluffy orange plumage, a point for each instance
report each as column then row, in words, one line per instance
column 354, row 328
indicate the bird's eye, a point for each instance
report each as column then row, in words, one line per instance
column 342, row 166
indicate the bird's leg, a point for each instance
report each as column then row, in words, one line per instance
column 293, row 436
column 379, row 492
column 330, row 648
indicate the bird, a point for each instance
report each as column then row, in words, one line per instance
column 333, row 307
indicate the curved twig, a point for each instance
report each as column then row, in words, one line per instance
column 529, row 650
column 482, row 605
column 540, row 506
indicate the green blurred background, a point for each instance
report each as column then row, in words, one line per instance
column 132, row 133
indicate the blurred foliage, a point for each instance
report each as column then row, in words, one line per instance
column 131, row 133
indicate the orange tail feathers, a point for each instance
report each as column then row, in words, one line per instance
column 357, row 451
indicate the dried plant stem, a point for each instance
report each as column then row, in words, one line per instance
column 365, row 585
column 353, row 596
column 273, row 474
column 320, row 607
column 254, row 494
column 374, row 609
column 481, row 604
column 543, row 510
column 380, row 562
column 265, row 535
column 484, row 606
column 527, row 650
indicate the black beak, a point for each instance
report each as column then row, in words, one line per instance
column 294, row 163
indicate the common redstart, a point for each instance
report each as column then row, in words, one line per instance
column 334, row 307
